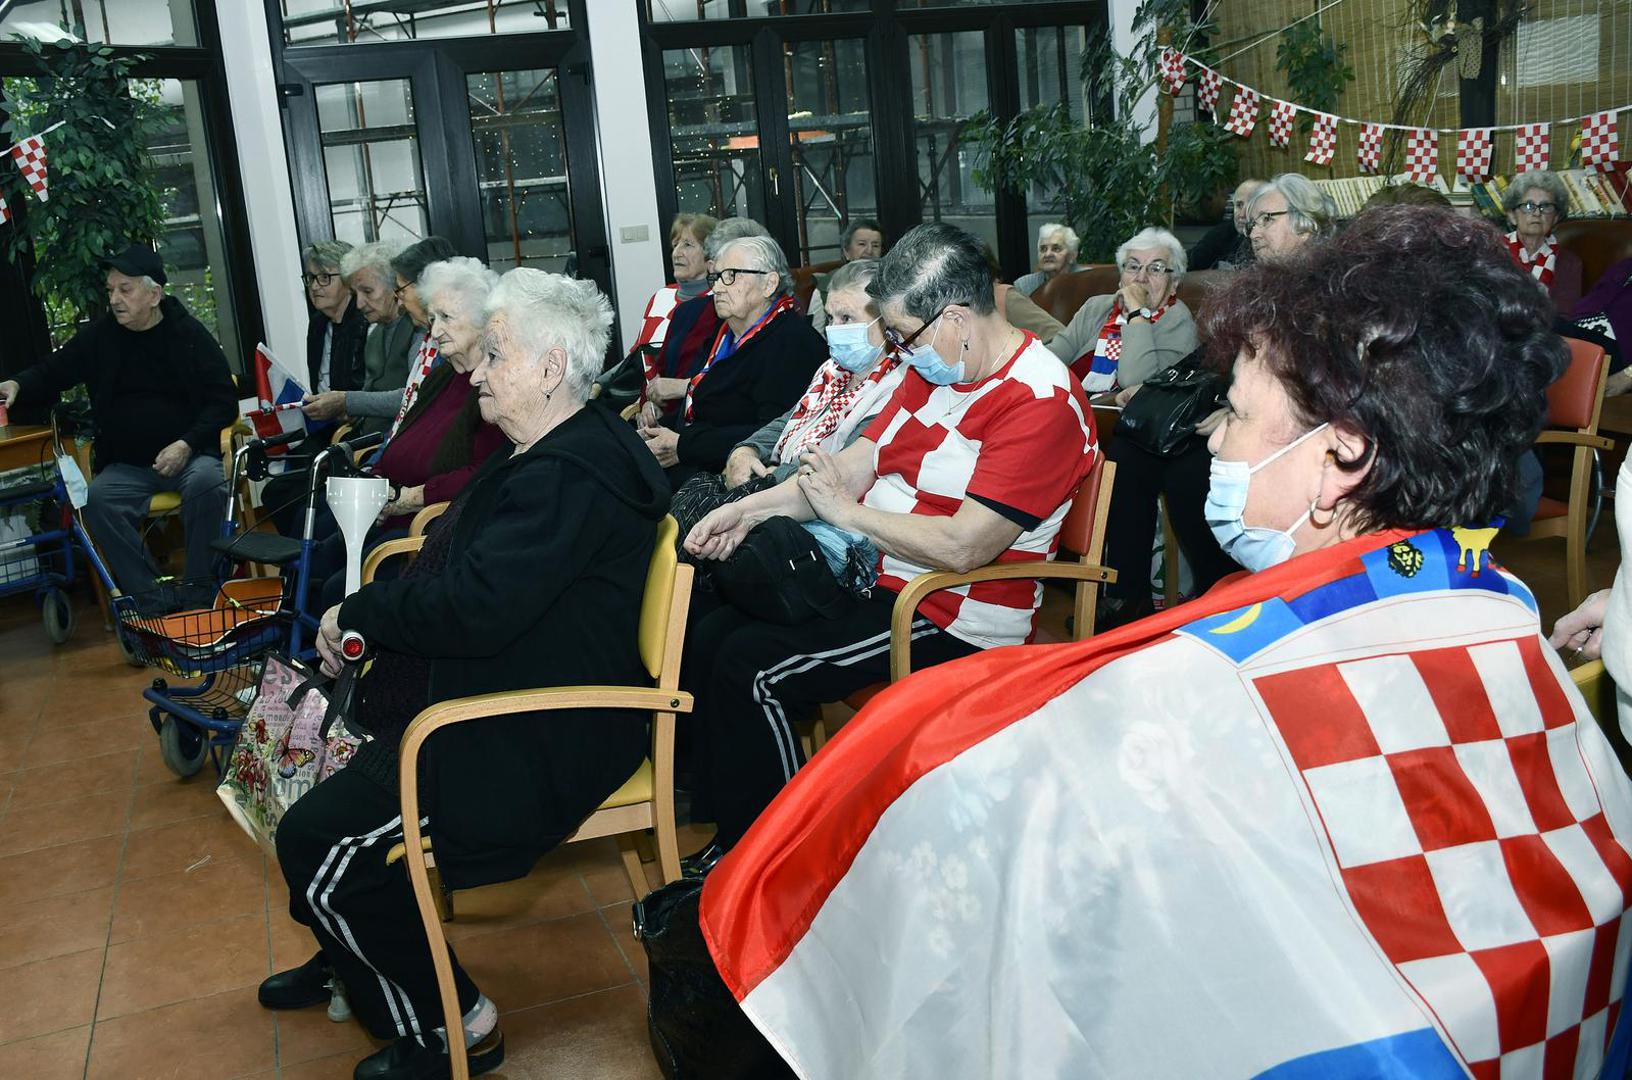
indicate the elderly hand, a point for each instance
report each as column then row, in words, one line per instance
column 326, row 406
column 328, row 641
column 1135, row 297
column 822, row 484
column 663, row 389
column 1125, row 395
column 1210, row 422
column 409, row 500
column 719, row 533
column 663, row 443
column 743, row 465
column 172, row 459
column 8, row 392
column 1582, row 630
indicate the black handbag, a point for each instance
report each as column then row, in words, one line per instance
column 779, row 574
column 698, row 1030
column 1168, row 406
column 619, row 386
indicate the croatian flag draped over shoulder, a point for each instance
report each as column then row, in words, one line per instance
column 1344, row 818
column 276, row 384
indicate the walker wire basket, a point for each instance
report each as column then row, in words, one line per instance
column 247, row 617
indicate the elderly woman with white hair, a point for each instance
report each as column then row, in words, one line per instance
column 532, row 578
column 1057, row 247
column 1287, row 213
column 757, row 366
column 1535, row 202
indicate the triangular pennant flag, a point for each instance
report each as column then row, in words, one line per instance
column 1369, row 156
column 30, row 157
column 1281, row 117
column 1207, row 88
column 1422, row 156
column 1243, row 111
column 1531, row 147
column 1600, row 141
column 5, row 211
column 1473, row 154
column 1173, row 69
column 1322, row 140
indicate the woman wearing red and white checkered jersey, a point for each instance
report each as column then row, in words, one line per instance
column 974, row 460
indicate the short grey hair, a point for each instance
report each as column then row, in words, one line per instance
column 325, row 254
column 763, row 253
column 856, row 274
column 934, row 265
column 376, row 257
column 1546, row 180
column 461, row 277
column 1153, row 237
column 544, row 310
column 1065, row 232
column 728, row 231
column 1310, row 211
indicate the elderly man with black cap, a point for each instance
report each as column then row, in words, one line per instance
column 160, row 393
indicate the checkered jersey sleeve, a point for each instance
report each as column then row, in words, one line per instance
column 1035, row 449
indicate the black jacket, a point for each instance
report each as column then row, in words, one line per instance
column 741, row 393
column 543, row 586
column 197, row 368
column 345, row 352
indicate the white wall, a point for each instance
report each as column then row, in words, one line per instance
column 628, row 187
column 1120, row 13
column 258, row 129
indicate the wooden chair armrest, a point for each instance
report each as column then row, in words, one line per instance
column 407, row 545
column 424, row 518
column 341, row 433
column 1575, row 438
column 907, row 602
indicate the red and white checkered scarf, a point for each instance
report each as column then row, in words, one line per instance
column 825, row 405
column 1108, row 346
column 1540, row 264
column 416, row 374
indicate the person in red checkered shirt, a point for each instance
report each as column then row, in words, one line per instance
column 974, row 460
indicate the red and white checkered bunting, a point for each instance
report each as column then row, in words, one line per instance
column 1243, row 112
column 1281, row 116
column 1600, row 141
column 1369, row 156
column 30, row 157
column 1173, row 70
column 1322, row 140
column 1532, row 147
column 1207, row 88
column 1473, row 154
column 5, row 212
column 1422, row 156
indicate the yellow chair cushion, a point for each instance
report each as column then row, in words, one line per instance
column 637, row 789
column 165, row 502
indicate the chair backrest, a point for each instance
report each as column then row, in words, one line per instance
column 804, row 281
column 1062, row 296
column 655, row 603
column 1575, row 399
column 1082, row 533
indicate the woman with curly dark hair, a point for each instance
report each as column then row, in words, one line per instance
column 1343, row 816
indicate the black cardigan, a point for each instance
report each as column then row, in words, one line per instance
column 741, row 393
column 545, row 574
column 345, row 352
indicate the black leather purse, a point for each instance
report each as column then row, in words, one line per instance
column 1169, row 406
column 779, row 574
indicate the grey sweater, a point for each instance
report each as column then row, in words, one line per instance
column 1147, row 348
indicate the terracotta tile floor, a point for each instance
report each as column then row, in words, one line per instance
column 136, row 920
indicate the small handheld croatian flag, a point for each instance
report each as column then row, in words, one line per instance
column 276, row 384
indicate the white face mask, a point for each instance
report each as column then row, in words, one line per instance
column 1254, row 547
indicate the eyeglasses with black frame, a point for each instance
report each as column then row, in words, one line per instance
column 322, row 281
column 400, row 289
column 893, row 338
column 728, row 276
column 1538, row 208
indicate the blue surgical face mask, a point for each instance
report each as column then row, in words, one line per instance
column 847, row 344
column 1254, row 547
column 930, row 364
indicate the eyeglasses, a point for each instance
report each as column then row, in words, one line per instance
column 1155, row 269
column 322, row 281
column 1538, row 207
column 893, row 338
column 728, row 276
column 400, row 289
column 1262, row 220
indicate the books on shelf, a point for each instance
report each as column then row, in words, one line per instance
column 1593, row 194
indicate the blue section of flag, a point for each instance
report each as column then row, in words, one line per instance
column 1240, row 633
column 1417, row 1055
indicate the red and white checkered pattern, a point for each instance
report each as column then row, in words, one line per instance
column 5, row 212
column 1531, row 147
column 938, row 445
column 1243, row 111
column 1370, row 154
column 1173, row 70
column 1281, row 117
column 1473, row 154
column 1207, row 88
column 30, row 157
column 1471, row 843
column 1322, row 140
column 1600, row 141
column 1422, row 156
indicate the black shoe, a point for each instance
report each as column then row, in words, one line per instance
column 406, row 1059
column 298, row 988
column 698, row 864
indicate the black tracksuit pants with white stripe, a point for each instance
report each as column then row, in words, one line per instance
column 758, row 680
column 332, row 846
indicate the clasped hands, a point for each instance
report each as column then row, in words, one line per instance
column 821, row 482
